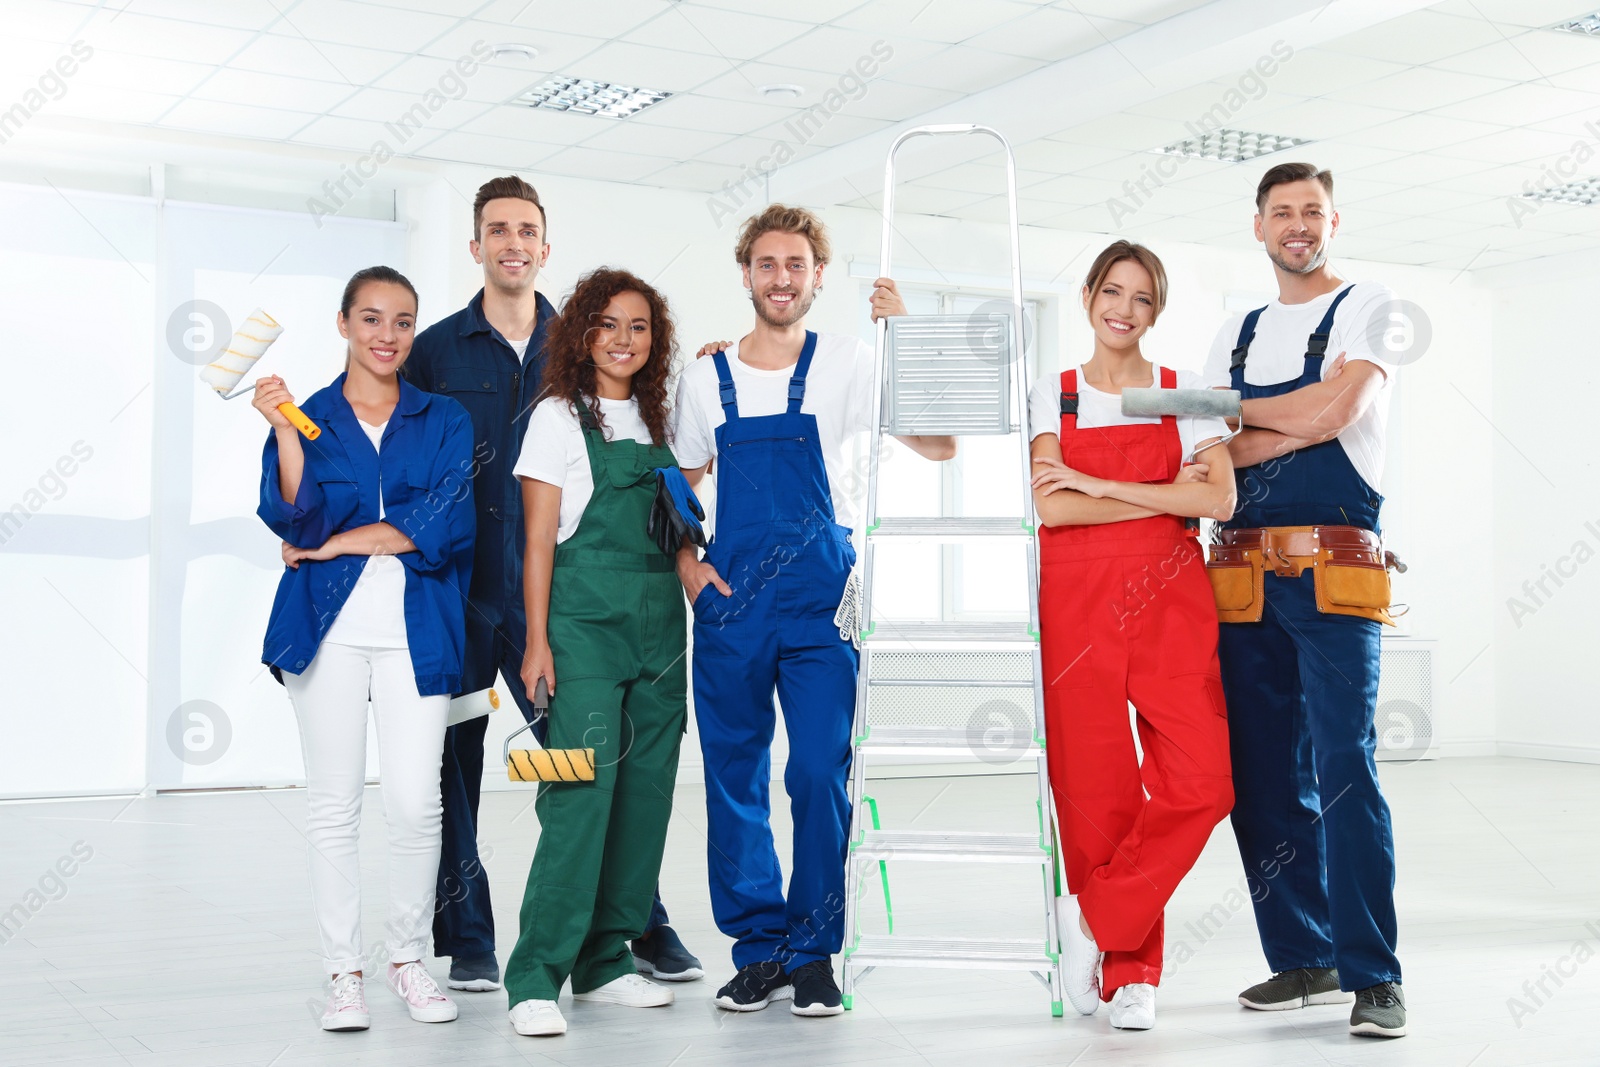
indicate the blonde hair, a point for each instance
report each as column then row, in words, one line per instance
column 1115, row 253
column 781, row 218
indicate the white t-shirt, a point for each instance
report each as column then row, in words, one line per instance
column 375, row 613
column 553, row 451
column 838, row 393
column 1278, row 355
column 520, row 346
column 1097, row 408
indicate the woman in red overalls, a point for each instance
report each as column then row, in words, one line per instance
column 1126, row 614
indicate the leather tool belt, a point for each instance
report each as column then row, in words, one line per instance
column 1348, row 565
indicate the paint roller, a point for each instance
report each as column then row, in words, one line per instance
column 546, row 764
column 248, row 344
column 1196, row 403
column 472, row 705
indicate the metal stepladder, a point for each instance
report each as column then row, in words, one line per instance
column 961, row 375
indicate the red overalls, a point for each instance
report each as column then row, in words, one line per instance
column 1126, row 614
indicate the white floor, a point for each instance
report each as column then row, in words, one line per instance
column 186, row 939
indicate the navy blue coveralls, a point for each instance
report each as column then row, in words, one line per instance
column 778, row 546
column 1302, row 689
column 466, row 358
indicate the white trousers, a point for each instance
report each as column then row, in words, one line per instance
column 330, row 701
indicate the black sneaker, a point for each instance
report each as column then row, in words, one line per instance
column 815, row 992
column 661, row 954
column 754, row 987
column 1380, row 1011
column 475, row 974
column 1298, row 988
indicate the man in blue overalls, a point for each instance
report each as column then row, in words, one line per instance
column 490, row 357
column 775, row 413
column 1301, row 680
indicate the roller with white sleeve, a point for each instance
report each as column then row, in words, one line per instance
column 247, row 345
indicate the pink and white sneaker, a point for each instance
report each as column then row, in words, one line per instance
column 347, row 1005
column 413, row 984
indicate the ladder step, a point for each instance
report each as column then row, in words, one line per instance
column 918, row 634
column 951, row 846
column 937, row 741
column 935, row 528
column 884, row 950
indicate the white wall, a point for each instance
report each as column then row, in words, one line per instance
column 1546, row 515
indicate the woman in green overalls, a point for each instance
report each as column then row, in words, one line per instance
column 607, row 634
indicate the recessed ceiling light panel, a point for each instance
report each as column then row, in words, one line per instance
column 1583, row 191
column 1587, row 25
column 1231, row 146
column 581, row 96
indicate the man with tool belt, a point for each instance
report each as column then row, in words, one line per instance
column 1302, row 589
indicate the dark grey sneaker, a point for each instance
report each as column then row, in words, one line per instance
column 475, row 974
column 754, row 987
column 815, row 992
column 1380, row 1011
column 661, row 955
column 1298, row 988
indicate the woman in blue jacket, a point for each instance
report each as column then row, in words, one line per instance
column 377, row 513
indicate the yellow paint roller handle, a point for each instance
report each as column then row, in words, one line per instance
column 298, row 418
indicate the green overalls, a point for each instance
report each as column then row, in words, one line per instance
column 618, row 635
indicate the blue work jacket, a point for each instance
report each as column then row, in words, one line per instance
column 426, row 465
column 468, row 360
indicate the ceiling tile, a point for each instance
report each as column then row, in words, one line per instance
column 486, row 151
column 1417, row 37
column 1054, row 33
column 1526, row 105
column 944, row 21
column 718, row 36
column 834, row 49
column 1511, row 146
column 174, row 38
column 240, row 14
column 1526, row 55
column 631, row 63
column 653, row 140
column 296, row 56
column 341, row 21
column 1061, row 157
column 236, row 120
column 346, row 133
column 254, row 87
column 1321, row 119
column 692, row 112
column 401, row 109
column 114, row 104
column 554, row 128
column 1317, row 71
column 959, row 69
column 694, row 176
column 602, row 166
column 1421, row 133
column 1515, row 12
column 123, row 70
column 1419, row 89
column 818, row 11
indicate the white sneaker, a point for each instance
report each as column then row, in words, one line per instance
column 424, row 1000
column 1133, row 1007
column 538, row 1018
column 347, row 1005
column 631, row 991
column 1080, row 959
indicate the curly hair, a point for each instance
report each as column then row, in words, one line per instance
column 569, row 370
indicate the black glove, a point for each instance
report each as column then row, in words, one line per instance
column 676, row 512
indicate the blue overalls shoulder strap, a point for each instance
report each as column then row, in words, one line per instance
column 1316, row 344
column 797, row 381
